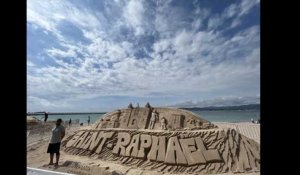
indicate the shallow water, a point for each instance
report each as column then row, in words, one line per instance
column 229, row 116
column 213, row 116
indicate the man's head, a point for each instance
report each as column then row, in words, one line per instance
column 58, row 121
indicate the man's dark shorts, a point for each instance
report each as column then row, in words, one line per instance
column 53, row 148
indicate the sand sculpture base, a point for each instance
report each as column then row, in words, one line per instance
column 208, row 151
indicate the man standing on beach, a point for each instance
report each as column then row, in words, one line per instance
column 46, row 117
column 89, row 120
column 58, row 134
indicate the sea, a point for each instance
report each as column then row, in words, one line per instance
column 232, row 116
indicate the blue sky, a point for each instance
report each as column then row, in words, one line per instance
column 91, row 55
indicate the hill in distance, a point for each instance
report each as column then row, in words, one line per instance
column 215, row 108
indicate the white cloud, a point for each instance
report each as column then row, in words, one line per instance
column 215, row 22
column 44, row 103
column 221, row 101
column 130, row 74
column 59, row 53
column 48, row 15
column 183, row 59
column 133, row 13
column 245, row 6
column 30, row 64
column 235, row 11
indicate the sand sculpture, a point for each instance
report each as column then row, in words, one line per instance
column 165, row 140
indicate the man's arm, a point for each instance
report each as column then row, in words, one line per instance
column 63, row 133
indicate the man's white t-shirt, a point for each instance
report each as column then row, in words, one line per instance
column 56, row 134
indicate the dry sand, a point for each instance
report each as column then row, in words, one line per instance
column 248, row 129
column 39, row 134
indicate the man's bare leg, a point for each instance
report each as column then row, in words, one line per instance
column 51, row 159
column 57, row 159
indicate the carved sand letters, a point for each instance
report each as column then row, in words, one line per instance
column 104, row 137
column 193, row 155
column 133, row 148
column 92, row 141
column 145, row 145
column 167, row 140
column 123, row 141
column 158, row 149
column 172, row 151
column 74, row 139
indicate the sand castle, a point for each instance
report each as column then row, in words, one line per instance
column 165, row 140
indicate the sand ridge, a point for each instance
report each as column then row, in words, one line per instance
column 250, row 130
column 37, row 157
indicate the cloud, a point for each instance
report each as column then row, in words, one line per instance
column 59, row 53
column 44, row 103
column 133, row 13
column 221, row 101
column 30, row 64
column 148, row 49
column 234, row 13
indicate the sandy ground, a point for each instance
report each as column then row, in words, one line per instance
column 37, row 143
column 251, row 130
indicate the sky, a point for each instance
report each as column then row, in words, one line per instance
column 93, row 56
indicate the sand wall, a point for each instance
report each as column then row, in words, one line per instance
column 199, row 151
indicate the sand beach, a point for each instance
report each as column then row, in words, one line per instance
column 39, row 132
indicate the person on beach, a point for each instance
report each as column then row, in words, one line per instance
column 252, row 120
column 89, row 120
column 70, row 122
column 46, row 117
column 58, row 133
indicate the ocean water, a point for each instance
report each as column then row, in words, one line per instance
column 82, row 117
column 229, row 115
column 213, row 116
